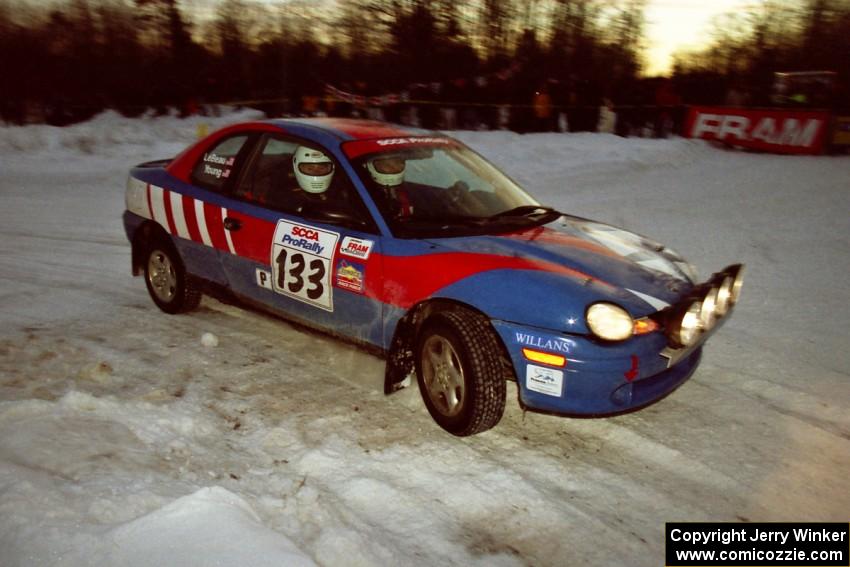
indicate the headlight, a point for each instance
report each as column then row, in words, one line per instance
column 689, row 327
column 736, row 286
column 610, row 322
column 707, row 303
column 724, row 296
column 707, row 311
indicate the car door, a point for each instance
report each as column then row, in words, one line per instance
column 312, row 262
column 193, row 212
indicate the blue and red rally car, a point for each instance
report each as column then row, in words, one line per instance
column 409, row 243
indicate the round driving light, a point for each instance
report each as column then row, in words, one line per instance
column 610, row 322
column 690, row 327
column 736, row 286
column 724, row 296
column 707, row 312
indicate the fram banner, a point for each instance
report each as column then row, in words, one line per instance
column 771, row 130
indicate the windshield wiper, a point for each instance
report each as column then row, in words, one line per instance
column 476, row 225
column 524, row 211
column 437, row 226
column 438, row 221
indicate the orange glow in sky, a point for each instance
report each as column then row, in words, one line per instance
column 676, row 24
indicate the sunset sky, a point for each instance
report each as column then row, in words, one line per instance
column 670, row 24
column 676, row 24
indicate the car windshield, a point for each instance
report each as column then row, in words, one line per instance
column 446, row 191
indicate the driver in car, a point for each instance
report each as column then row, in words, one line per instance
column 317, row 195
column 316, row 191
column 314, row 172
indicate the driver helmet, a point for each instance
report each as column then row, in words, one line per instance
column 313, row 170
column 387, row 171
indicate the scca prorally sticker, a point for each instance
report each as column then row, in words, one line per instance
column 301, row 263
column 355, row 247
column 544, row 380
column 349, row 276
column 397, row 141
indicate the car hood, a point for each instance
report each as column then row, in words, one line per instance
column 642, row 275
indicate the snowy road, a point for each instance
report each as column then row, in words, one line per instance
column 125, row 441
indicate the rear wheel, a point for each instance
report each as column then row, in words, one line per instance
column 168, row 284
column 459, row 372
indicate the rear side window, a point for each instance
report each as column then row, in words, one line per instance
column 216, row 166
column 269, row 180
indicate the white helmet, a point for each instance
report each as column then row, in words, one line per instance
column 313, row 169
column 387, row 170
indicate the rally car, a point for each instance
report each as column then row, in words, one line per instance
column 409, row 243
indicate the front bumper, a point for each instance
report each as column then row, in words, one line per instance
column 598, row 378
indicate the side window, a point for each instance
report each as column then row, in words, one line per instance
column 217, row 164
column 269, row 180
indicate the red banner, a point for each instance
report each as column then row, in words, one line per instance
column 771, row 130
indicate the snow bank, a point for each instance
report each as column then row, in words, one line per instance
column 197, row 530
column 111, row 134
column 99, row 445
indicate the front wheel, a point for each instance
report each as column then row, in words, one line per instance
column 167, row 281
column 459, row 372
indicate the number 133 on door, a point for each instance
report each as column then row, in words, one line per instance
column 301, row 263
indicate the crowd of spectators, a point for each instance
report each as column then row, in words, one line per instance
column 650, row 109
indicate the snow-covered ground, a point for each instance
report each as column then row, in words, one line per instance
column 126, row 440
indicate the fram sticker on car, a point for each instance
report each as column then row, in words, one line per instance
column 301, row 263
column 541, row 343
column 355, row 247
column 349, row 276
column 544, row 380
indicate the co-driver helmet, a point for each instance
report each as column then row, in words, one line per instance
column 387, row 171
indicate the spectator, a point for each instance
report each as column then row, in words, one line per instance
column 542, row 104
column 450, row 95
column 607, row 118
column 735, row 96
column 667, row 103
column 309, row 105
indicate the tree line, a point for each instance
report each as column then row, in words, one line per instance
column 68, row 61
column 72, row 60
column 749, row 46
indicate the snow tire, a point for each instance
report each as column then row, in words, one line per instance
column 170, row 287
column 459, row 372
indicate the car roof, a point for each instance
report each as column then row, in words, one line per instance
column 330, row 132
column 345, row 129
column 357, row 137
